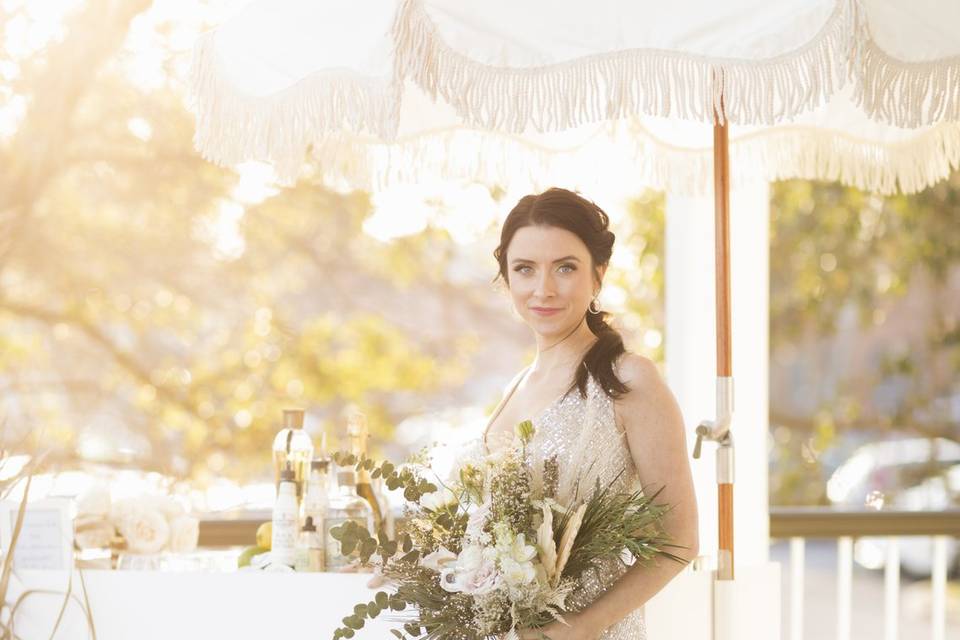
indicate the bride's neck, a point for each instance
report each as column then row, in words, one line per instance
column 562, row 352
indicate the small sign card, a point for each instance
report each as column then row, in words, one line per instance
column 46, row 537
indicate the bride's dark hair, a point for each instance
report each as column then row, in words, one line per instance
column 567, row 210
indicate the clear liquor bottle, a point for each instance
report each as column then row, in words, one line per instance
column 293, row 445
column 317, row 496
column 344, row 505
column 359, row 433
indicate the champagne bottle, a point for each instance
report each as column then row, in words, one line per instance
column 358, row 432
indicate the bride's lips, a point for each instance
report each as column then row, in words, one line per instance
column 545, row 311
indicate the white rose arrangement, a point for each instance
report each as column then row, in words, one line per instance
column 144, row 524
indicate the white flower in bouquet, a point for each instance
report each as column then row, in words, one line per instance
column 475, row 523
column 145, row 531
column 95, row 501
column 517, row 574
column 474, row 572
column 93, row 532
column 520, row 551
column 438, row 499
column 438, row 559
column 184, row 534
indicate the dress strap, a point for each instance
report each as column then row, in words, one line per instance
column 503, row 403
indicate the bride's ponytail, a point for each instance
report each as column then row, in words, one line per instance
column 568, row 210
column 601, row 357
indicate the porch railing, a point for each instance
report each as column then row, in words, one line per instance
column 797, row 524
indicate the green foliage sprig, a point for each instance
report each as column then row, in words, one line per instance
column 354, row 537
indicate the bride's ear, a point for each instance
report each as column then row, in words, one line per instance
column 600, row 271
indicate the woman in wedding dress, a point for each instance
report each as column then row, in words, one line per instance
column 605, row 413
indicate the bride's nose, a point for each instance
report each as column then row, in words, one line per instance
column 545, row 288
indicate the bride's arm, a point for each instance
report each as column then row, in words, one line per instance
column 655, row 433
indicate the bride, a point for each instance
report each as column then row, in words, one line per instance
column 605, row 413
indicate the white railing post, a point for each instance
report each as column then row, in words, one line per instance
column 844, row 586
column 796, row 588
column 891, row 589
column 938, row 589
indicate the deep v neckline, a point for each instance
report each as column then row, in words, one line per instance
column 506, row 401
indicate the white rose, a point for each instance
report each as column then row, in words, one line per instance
column 438, row 499
column 93, row 532
column 95, row 501
column 184, row 534
column 483, row 580
column 145, row 531
column 168, row 506
column 121, row 510
column 438, row 559
column 474, row 572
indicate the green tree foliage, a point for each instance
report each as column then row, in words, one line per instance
column 141, row 304
column 838, row 254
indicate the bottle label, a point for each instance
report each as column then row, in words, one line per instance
column 284, row 536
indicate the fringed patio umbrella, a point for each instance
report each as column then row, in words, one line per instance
column 675, row 95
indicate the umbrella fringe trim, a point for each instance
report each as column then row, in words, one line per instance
column 907, row 94
column 233, row 126
column 615, row 85
column 790, row 152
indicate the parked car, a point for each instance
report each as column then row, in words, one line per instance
column 912, row 474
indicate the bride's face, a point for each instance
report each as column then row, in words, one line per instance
column 551, row 278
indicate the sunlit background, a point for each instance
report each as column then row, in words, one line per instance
column 157, row 312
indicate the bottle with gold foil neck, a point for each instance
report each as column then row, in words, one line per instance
column 358, row 433
column 292, row 444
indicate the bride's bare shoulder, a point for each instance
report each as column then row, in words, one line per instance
column 636, row 371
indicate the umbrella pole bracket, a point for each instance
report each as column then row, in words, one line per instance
column 718, row 430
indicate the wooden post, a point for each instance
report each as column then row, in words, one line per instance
column 721, row 178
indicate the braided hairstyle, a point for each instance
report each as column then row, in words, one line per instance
column 567, row 210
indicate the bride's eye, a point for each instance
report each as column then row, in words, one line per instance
column 523, row 268
column 567, row 268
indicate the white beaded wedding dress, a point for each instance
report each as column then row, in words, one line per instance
column 584, row 436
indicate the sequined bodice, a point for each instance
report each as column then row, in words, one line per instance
column 583, row 434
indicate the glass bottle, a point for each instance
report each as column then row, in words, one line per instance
column 292, row 445
column 309, row 548
column 344, row 505
column 358, row 432
column 317, row 496
column 284, row 529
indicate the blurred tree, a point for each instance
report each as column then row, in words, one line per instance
column 864, row 316
column 144, row 307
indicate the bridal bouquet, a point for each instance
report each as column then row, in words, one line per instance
column 487, row 554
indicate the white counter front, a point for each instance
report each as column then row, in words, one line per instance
column 148, row 605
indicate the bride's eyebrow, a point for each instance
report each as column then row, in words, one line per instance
column 563, row 259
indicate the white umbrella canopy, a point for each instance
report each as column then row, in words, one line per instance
column 864, row 92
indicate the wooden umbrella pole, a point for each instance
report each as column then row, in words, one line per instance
column 721, row 174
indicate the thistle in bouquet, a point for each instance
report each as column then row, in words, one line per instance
column 485, row 554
